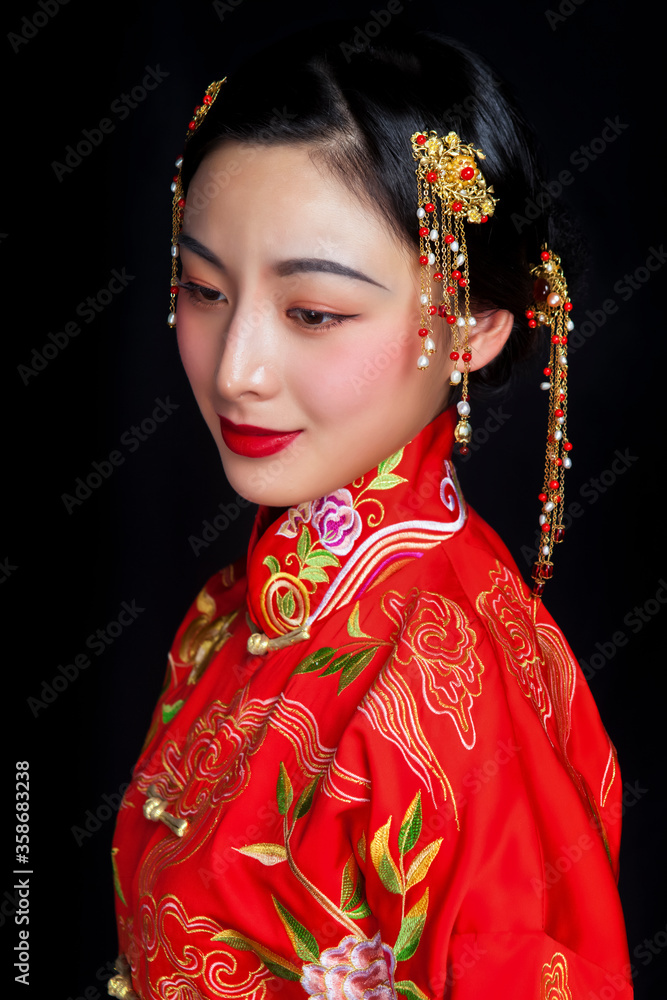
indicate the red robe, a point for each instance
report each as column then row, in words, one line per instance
column 415, row 796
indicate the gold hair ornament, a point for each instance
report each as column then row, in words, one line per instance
column 178, row 201
column 451, row 190
column 551, row 307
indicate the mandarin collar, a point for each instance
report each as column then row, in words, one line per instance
column 327, row 553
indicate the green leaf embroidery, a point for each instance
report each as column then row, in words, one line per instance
column 169, row 711
column 363, row 910
column 361, row 846
column 305, row 800
column 302, row 940
column 315, row 660
column 352, row 891
column 386, row 482
column 420, row 866
column 272, row 563
column 383, row 861
column 337, row 664
column 390, row 463
column 356, row 664
column 409, row 990
column 288, row 604
column 267, row 854
column 353, row 627
column 410, row 933
column 284, row 793
column 276, row 964
column 303, row 545
column 320, row 557
column 116, row 877
column 314, row 573
column 411, row 825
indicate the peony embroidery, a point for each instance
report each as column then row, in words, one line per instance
column 336, row 521
column 355, row 970
column 296, row 516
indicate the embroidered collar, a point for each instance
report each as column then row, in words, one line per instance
column 327, row 553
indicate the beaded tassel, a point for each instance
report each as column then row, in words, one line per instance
column 178, row 201
column 551, row 307
column 451, row 189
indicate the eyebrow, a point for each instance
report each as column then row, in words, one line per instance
column 285, row 268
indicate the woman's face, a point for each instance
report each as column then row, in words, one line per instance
column 298, row 325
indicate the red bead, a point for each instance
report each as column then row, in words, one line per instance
column 198, row 108
column 466, row 356
column 463, row 450
column 467, row 173
column 558, row 413
column 175, row 178
column 420, row 140
column 563, row 374
column 174, row 289
column 483, row 218
column 462, row 283
column 547, row 571
column 557, row 499
column 451, row 320
column 438, row 276
column 542, row 497
column 555, row 339
column 423, row 259
column 456, row 206
column 432, row 176
column 424, row 231
column 546, row 528
column 429, row 206
column 538, row 589
column 545, row 255
column 540, row 290
column 532, row 323
column 451, row 290
column 529, row 313
column 547, row 371
column 567, row 446
column 550, row 437
column 442, row 310
column 568, row 307
column 561, row 396
column 456, row 275
column 454, row 355
column 449, row 238
column 181, row 202
column 558, row 461
column 432, row 310
column 553, row 485
column 559, row 534
column 208, row 99
column 423, row 332
column 563, row 339
column 192, row 126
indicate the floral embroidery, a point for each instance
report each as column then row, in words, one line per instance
column 337, row 522
column 295, row 517
column 357, row 967
column 554, row 985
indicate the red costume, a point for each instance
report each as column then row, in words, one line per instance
column 417, row 799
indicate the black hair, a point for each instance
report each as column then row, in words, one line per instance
column 357, row 109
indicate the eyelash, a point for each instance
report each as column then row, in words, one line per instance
column 194, row 290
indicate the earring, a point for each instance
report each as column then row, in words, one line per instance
column 178, row 201
column 551, row 307
column 451, row 188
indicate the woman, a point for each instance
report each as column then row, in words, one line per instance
column 375, row 768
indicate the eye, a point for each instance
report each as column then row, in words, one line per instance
column 202, row 295
column 315, row 319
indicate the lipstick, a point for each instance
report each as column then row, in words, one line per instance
column 254, row 442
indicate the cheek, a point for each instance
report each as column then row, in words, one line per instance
column 197, row 351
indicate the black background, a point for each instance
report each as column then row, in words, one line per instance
column 66, row 574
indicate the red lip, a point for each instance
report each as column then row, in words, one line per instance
column 254, row 442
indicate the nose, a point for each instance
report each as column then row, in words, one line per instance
column 249, row 355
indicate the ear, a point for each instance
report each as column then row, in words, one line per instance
column 489, row 336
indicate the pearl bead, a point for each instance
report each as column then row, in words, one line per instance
column 548, row 267
column 423, row 299
column 431, row 258
column 472, row 321
column 562, row 359
column 549, row 506
column 433, row 235
column 558, row 435
column 420, row 213
column 455, row 377
column 553, row 300
column 460, row 260
column 173, row 186
column 423, row 362
column 179, row 162
column 428, row 345
column 545, row 385
column 543, row 519
column 561, row 420
column 567, row 463
column 171, row 319
column 453, row 246
column 545, row 550
column 570, row 324
column 464, row 408
column 460, row 321
column 541, row 318
column 174, row 250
